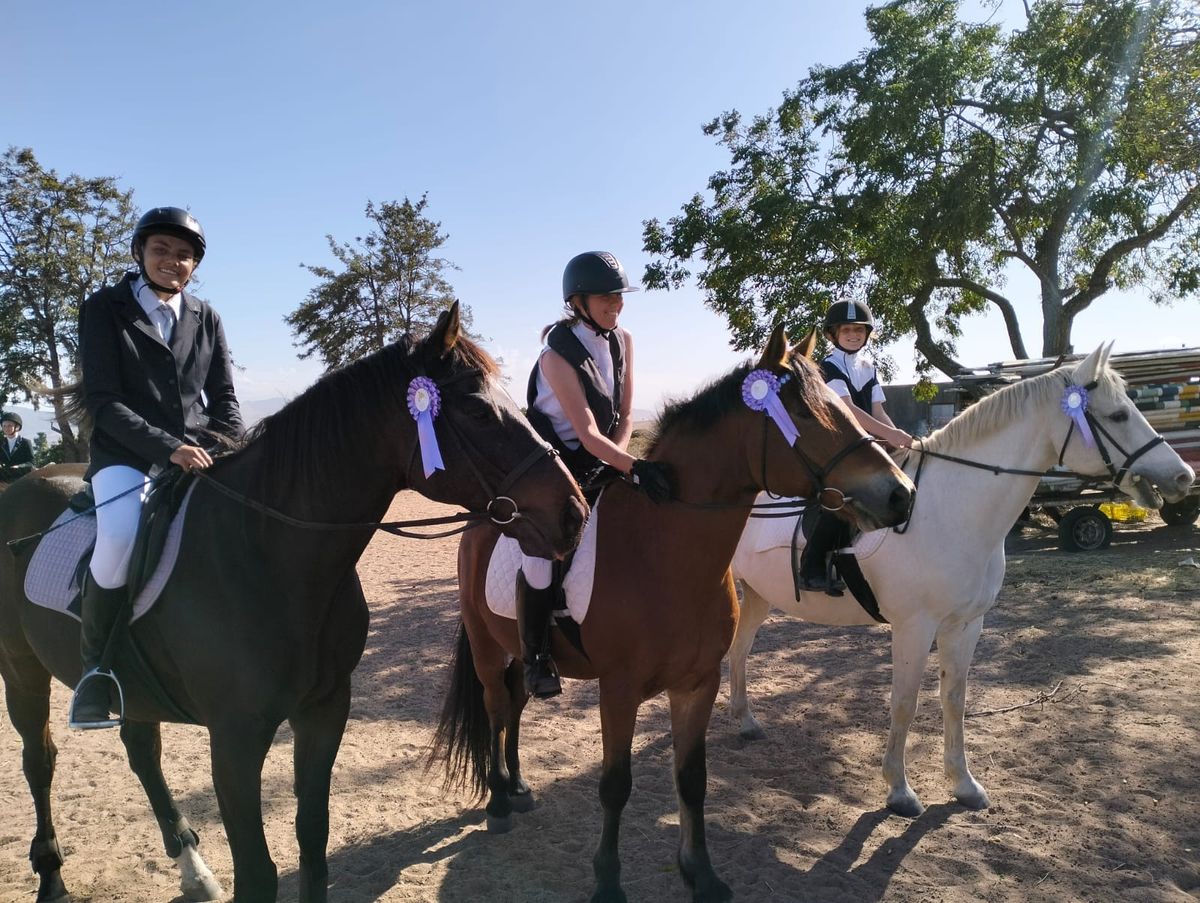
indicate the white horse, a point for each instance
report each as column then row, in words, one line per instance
column 939, row 578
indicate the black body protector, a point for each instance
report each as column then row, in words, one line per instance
column 826, row 533
column 860, row 397
column 605, row 406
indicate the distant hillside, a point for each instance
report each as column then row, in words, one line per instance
column 252, row 411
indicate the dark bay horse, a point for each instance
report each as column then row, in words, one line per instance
column 263, row 621
column 663, row 608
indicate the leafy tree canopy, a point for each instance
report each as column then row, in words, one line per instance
column 919, row 174
column 389, row 284
column 61, row 239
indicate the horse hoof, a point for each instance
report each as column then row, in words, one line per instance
column 499, row 824
column 610, row 895
column 717, row 892
column 203, row 890
column 906, row 806
column 753, row 732
column 522, row 802
column 53, row 890
column 976, row 800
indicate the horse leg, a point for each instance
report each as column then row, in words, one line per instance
column 143, row 745
column 618, row 715
column 29, row 711
column 754, row 611
column 520, row 796
column 318, row 733
column 956, row 647
column 910, row 650
column 238, row 749
column 691, row 710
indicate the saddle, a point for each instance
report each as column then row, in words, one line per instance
column 59, row 563
column 54, row 578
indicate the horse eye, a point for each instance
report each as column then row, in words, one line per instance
column 1120, row 416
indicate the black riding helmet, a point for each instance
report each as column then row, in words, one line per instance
column 13, row 418
column 595, row 273
column 168, row 221
column 847, row 312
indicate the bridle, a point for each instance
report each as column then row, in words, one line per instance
column 1098, row 433
column 829, row 497
column 501, row 509
column 1098, row 430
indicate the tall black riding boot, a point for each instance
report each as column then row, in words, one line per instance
column 535, row 608
column 816, row 569
column 90, row 705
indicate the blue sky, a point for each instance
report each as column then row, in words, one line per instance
column 537, row 129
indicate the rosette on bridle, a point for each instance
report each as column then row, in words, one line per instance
column 424, row 404
column 760, row 392
column 1075, row 405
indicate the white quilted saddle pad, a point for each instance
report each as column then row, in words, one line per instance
column 51, row 579
column 501, row 585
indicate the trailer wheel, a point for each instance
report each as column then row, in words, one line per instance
column 1182, row 513
column 1084, row 529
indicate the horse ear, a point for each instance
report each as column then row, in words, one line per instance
column 1088, row 370
column 447, row 331
column 808, row 344
column 775, row 356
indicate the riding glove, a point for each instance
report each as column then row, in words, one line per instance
column 653, row 478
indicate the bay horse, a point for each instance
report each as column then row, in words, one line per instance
column 662, row 610
column 263, row 619
column 940, row 577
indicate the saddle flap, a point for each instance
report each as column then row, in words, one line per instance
column 501, row 585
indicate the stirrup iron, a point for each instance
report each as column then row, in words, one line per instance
column 94, row 674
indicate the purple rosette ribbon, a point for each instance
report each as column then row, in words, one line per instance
column 424, row 403
column 760, row 392
column 1074, row 405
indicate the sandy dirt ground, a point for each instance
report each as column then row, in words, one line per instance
column 1095, row 792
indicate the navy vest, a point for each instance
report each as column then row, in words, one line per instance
column 861, row 397
column 605, row 407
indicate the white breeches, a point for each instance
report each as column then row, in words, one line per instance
column 537, row 571
column 116, row 522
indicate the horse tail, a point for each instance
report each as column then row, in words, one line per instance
column 463, row 741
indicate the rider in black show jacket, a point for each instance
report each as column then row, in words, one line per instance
column 145, row 396
column 158, row 384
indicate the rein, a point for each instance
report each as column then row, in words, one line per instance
column 466, row 519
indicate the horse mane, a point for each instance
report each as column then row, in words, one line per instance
column 319, row 431
column 1008, row 404
column 724, row 394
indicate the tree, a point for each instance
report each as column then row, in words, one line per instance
column 918, row 175
column 390, row 285
column 61, row 239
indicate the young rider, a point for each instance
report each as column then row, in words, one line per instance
column 16, row 452
column 580, row 397
column 848, row 325
column 158, row 383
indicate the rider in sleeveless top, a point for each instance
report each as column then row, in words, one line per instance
column 580, row 396
column 848, row 325
column 158, row 384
